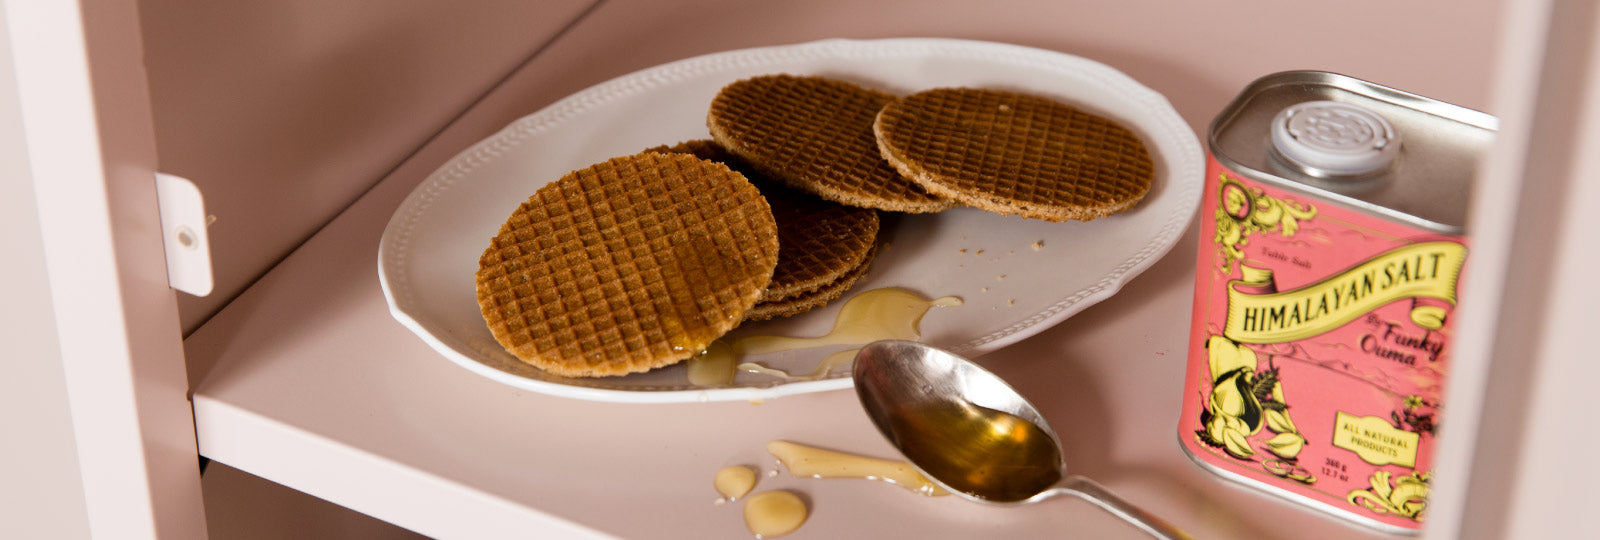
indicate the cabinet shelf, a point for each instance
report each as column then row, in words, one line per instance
column 306, row 380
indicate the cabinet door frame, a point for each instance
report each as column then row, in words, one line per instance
column 90, row 144
column 1514, row 459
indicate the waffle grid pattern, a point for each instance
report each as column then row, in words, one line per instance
column 628, row 265
column 1015, row 153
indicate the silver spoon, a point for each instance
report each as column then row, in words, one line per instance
column 971, row 433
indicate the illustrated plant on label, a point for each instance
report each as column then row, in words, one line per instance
column 1405, row 496
column 1243, row 400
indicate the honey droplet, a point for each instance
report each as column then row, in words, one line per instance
column 771, row 514
column 735, row 481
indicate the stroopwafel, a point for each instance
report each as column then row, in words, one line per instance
column 1015, row 153
column 630, row 264
column 815, row 134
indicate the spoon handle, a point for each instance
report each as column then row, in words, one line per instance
column 1099, row 495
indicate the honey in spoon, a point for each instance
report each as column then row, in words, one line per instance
column 989, row 454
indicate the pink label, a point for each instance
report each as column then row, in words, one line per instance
column 1320, row 341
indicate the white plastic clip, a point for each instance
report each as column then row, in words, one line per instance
column 183, row 233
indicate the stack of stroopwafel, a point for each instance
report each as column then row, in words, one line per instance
column 823, row 247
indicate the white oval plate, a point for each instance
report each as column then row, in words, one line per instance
column 1016, row 276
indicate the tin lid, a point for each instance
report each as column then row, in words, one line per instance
column 1330, row 138
column 1427, row 183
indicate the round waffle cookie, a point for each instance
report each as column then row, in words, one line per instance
column 819, row 241
column 1015, row 153
column 628, row 265
column 815, row 134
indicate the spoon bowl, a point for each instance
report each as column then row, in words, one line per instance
column 971, row 433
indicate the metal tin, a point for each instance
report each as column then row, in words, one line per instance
column 1331, row 246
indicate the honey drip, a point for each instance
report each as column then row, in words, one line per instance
column 774, row 513
column 814, row 462
column 824, row 368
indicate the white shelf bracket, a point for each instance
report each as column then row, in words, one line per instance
column 183, row 234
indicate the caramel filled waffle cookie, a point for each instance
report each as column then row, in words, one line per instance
column 819, row 241
column 628, row 265
column 815, row 134
column 812, row 299
column 1015, row 153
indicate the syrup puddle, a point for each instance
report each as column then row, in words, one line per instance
column 774, row 513
column 870, row 316
column 802, row 460
column 824, row 368
column 867, row 317
column 713, row 367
